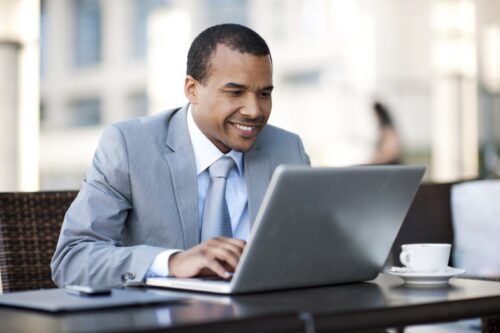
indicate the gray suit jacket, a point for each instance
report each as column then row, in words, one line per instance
column 140, row 197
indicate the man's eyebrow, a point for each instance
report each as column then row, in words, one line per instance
column 235, row 85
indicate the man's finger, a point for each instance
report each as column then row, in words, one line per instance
column 224, row 255
column 228, row 244
column 216, row 267
column 234, row 241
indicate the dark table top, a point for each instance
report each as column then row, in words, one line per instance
column 383, row 302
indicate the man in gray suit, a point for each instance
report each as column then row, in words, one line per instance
column 140, row 211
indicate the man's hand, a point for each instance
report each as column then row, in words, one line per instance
column 217, row 256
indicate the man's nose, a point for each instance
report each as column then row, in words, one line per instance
column 251, row 109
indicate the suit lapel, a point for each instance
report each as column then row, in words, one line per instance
column 180, row 158
column 257, row 175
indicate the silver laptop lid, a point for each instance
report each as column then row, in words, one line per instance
column 319, row 226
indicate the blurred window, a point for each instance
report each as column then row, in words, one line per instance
column 43, row 38
column 87, row 32
column 305, row 77
column 138, row 104
column 43, row 114
column 218, row 11
column 279, row 19
column 142, row 10
column 84, row 112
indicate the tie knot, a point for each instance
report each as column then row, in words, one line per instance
column 221, row 167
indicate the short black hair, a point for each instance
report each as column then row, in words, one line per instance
column 382, row 113
column 234, row 36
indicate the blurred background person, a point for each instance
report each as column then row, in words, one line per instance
column 388, row 150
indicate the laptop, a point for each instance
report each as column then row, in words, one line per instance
column 318, row 226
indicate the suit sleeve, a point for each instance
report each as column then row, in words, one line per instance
column 302, row 154
column 89, row 250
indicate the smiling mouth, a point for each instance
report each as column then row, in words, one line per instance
column 245, row 130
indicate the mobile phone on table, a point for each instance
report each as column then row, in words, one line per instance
column 87, row 290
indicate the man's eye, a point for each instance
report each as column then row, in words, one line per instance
column 265, row 94
column 235, row 92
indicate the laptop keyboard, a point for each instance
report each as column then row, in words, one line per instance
column 214, row 278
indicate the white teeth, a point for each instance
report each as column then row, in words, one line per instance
column 245, row 128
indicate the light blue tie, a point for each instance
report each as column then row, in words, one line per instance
column 216, row 219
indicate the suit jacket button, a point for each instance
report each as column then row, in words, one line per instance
column 127, row 276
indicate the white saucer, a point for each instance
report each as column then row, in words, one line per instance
column 424, row 278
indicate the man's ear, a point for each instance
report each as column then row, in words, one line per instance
column 191, row 89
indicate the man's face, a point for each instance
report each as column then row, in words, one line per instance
column 234, row 103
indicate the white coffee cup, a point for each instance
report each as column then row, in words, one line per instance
column 428, row 258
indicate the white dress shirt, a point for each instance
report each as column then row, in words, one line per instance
column 205, row 153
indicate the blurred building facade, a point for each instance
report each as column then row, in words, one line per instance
column 104, row 61
column 19, row 94
column 108, row 60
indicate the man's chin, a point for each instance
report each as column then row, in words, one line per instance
column 243, row 148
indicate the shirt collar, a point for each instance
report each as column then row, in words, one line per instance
column 205, row 152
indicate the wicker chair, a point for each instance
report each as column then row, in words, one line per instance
column 30, row 223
